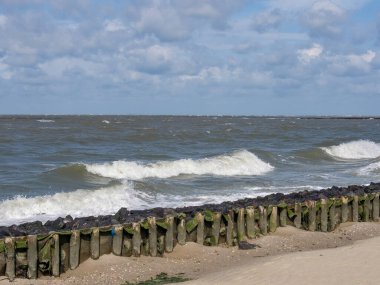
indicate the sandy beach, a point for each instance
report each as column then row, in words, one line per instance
column 350, row 255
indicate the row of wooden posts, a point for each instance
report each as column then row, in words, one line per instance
column 57, row 252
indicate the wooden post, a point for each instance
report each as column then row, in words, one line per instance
column 169, row 235
column 263, row 220
column 283, row 216
column 95, row 243
column 298, row 218
column 117, row 240
column 55, row 260
column 312, row 226
column 200, row 228
column 366, row 208
column 324, row 215
column 181, row 230
column 10, row 270
column 136, row 239
column 74, row 249
column 344, row 209
column 273, row 220
column 32, row 256
column 332, row 216
column 230, row 228
column 215, row 230
column 241, row 225
column 375, row 208
column 355, row 209
column 250, row 221
column 152, row 236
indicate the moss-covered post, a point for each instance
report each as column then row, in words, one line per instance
column 95, row 243
column 250, row 222
column 230, row 228
column 344, row 209
column 375, row 207
column 181, row 231
column 74, row 249
column 55, row 258
column 366, row 209
column 10, row 270
column 136, row 239
column 169, row 235
column 215, row 228
column 32, row 256
column 241, row 224
column 312, row 225
column 283, row 215
column 273, row 220
column 117, row 240
column 332, row 214
column 152, row 236
column 324, row 215
column 263, row 220
column 200, row 228
column 298, row 215
column 355, row 209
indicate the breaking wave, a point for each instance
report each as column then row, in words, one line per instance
column 240, row 162
column 360, row 149
column 369, row 170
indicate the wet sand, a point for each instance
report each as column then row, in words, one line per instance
column 349, row 255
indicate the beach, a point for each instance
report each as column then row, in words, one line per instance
column 347, row 255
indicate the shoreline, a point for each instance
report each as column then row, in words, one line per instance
column 286, row 253
column 126, row 216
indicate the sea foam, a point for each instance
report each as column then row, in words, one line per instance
column 369, row 170
column 240, row 162
column 360, row 149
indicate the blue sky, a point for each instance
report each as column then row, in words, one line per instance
column 273, row 57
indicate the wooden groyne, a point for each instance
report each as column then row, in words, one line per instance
column 52, row 253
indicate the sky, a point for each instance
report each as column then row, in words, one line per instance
column 193, row 57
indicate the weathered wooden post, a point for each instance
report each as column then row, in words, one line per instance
column 355, row 209
column 152, row 236
column 375, row 208
column 324, row 215
column 200, row 228
column 169, row 235
column 312, row 226
column 117, row 240
column 366, row 208
column 74, row 249
column 250, row 220
column 230, row 227
column 136, row 239
column 55, row 260
column 298, row 215
column 332, row 214
column 344, row 209
column 241, row 224
column 263, row 220
column 32, row 256
column 95, row 243
column 10, row 270
column 215, row 230
column 273, row 220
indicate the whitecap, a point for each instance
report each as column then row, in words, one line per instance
column 370, row 170
column 360, row 149
column 236, row 163
column 46, row 121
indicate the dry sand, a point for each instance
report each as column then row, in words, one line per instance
column 349, row 255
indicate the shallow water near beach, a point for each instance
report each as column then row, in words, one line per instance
column 53, row 166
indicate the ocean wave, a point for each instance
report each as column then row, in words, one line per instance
column 369, row 170
column 46, row 121
column 240, row 162
column 360, row 149
column 108, row 200
column 78, row 203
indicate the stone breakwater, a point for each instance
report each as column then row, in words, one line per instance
column 34, row 249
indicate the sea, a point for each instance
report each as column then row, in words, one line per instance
column 54, row 166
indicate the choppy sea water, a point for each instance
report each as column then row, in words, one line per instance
column 52, row 166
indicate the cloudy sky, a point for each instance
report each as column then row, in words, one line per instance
column 258, row 57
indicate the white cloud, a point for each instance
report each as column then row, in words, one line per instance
column 5, row 73
column 60, row 66
column 325, row 18
column 3, row 21
column 307, row 55
column 114, row 25
column 267, row 20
